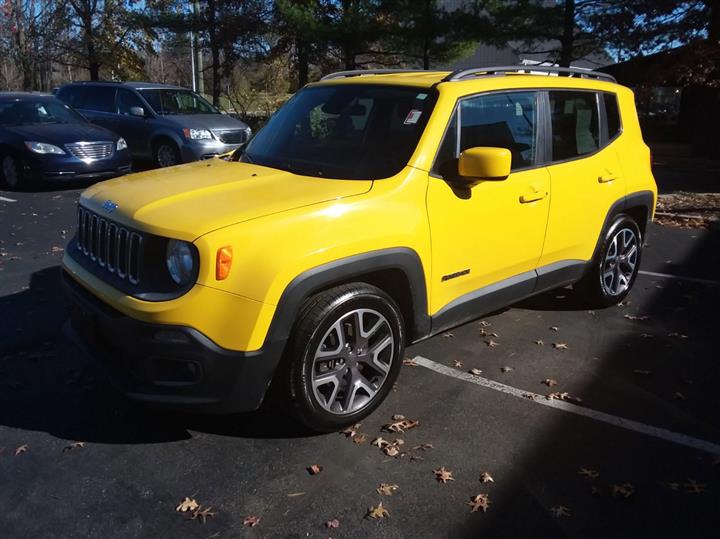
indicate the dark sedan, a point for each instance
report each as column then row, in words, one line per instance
column 41, row 138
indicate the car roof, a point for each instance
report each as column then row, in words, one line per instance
column 136, row 85
column 25, row 95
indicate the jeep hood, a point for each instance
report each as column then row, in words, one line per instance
column 190, row 200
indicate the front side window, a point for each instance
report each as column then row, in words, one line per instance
column 499, row 120
column 127, row 100
column 575, row 126
column 344, row 131
column 176, row 101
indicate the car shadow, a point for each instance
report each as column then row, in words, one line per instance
column 47, row 384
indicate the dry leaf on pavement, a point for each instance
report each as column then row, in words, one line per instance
column 479, row 502
column 334, row 523
column 315, row 469
column 549, row 382
column 484, row 324
column 351, row 430
column 694, row 487
column 679, row 396
column 491, row 343
column 564, row 396
column 560, row 346
column 387, row 489
column 554, row 328
column 379, row 442
column 203, row 514
column 476, row 372
column 76, row 445
column 622, row 490
column 188, row 504
column 359, row 439
column 443, row 475
column 638, row 318
column 251, row 521
column 486, row 478
column 676, row 335
column 540, row 342
column 560, row 511
column 448, row 335
column 589, row 473
column 378, row 512
column 457, row 364
column 21, row 449
column 409, row 363
column 401, row 425
column 506, row 369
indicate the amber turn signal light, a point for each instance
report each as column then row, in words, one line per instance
column 223, row 262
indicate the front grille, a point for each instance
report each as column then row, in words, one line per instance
column 109, row 245
column 232, row 137
column 91, row 151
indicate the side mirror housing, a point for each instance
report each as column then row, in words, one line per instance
column 137, row 111
column 485, row 163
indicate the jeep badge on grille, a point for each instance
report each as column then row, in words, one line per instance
column 109, row 206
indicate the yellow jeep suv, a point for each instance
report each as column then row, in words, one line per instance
column 375, row 209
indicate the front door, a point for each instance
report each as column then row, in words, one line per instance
column 488, row 235
column 134, row 129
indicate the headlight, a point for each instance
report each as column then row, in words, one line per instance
column 197, row 134
column 248, row 132
column 121, row 144
column 43, row 147
column 180, row 261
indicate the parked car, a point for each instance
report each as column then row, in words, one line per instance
column 372, row 211
column 167, row 124
column 42, row 138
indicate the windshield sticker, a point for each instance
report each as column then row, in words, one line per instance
column 412, row 117
column 421, row 96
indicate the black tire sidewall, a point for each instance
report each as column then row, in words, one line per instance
column 303, row 398
column 172, row 146
column 598, row 288
column 16, row 163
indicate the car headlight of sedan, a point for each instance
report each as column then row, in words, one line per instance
column 44, row 148
column 121, row 144
column 180, row 262
column 197, row 134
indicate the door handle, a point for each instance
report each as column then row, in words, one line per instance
column 607, row 178
column 533, row 196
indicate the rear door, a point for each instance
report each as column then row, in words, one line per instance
column 98, row 105
column 585, row 174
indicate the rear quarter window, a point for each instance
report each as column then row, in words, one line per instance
column 612, row 111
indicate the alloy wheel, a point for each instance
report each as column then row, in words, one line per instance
column 352, row 362
column 620, row 262
column 166, row 155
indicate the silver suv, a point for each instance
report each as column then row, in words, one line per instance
column 167, row 124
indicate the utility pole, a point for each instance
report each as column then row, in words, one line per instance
column 196, row 52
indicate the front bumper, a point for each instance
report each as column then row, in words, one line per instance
column 65, row 168
column 198, row 150
column 172, row 366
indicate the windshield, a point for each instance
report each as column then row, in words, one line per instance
column 344, row 131
column 46, row 111
column 175, row 101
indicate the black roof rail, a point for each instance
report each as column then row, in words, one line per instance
column 491, row 71
column 358, row 72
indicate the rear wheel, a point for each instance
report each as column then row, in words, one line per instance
column 11, row 174
column 345, row 355
column 616, row 266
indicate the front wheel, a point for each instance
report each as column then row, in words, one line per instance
column 345, row 355
column 616, row 265
column 166, row 154
column 11, row 173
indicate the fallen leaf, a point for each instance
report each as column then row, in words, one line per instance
column 486, row 478
column 378, row 512
column 540, row 342
column 379, row 442
column 560, row 511
column 491, row 343
column 443, row 475
column 479, row 502
column 485, row 324
column 359, row 439
column 409, row 363
column 21, row 449
column 391, row 451
column 251, row 521
column 315, row 469
column 677, row 335
column 560, row 346
column 589, row 473
column 595, row 491
column 564, row 396
column 476, row 372
column 506, row 369
column 351, row 431
column 694, row 487
column 76, row 445
column 188, row 504
column 673, row 485
column 646, row 336
column 493, row 334
column 423, row 447
column 679, row 396
column 623, row 490
column 634, row 317
column 203, row 514
column 401, row 426
column 457, row 364
column 334, row 523
column 387, row 489
column 549, row 382
column 448, row 335
column 529, row 396
column 295, row 494
column 398, row 417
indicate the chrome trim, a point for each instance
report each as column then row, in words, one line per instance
column 91, row 151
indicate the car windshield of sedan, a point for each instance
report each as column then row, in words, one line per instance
column 26, row 112
column 344, row 131
column 175, row 101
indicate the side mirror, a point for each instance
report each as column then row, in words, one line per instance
column 137, row 111
column 485, row 163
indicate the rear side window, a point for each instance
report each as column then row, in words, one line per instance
column 99, row 99
column 613, row 115
column 72, row 95
column 575, row 125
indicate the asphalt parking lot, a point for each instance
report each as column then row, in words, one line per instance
column 631, row 449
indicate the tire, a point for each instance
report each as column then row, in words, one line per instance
column 166, row 154
column 10, row 171
column 615, row 267
column 332, row 378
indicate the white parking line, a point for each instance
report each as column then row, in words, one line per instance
column 5, row 199
column 679, row 278
column 628, row 424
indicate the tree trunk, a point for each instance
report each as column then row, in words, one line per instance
column 568, row 36
column 303, row 61
column 214, row 51
column 21, row 45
